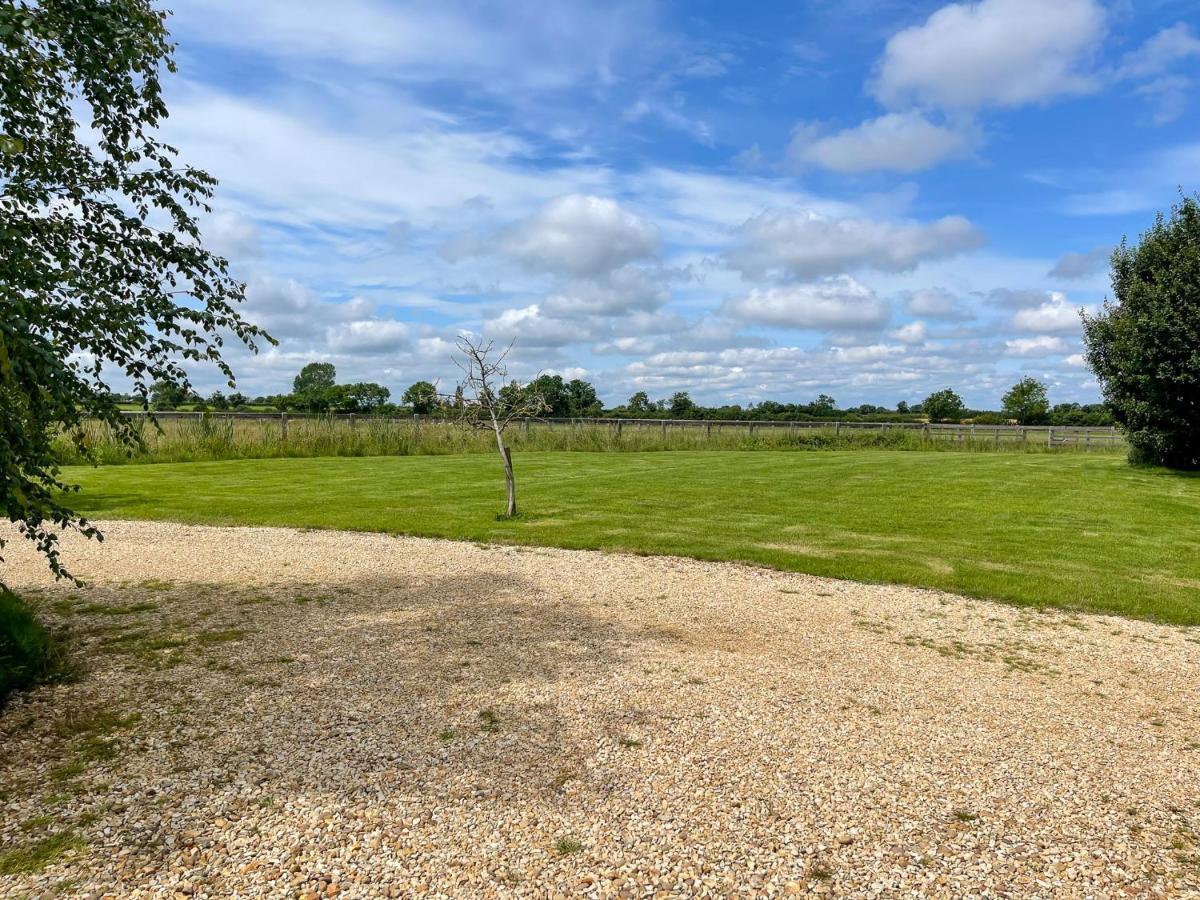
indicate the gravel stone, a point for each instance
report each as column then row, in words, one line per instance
column 321, row 714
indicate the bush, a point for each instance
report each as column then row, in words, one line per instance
column 29, row 652
column 1143, row 345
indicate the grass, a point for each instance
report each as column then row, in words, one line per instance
column 29, row 652
column 36, row 856
column 1079, row 531
column 216, row 438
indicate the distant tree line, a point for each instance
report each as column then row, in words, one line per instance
column 315, row 390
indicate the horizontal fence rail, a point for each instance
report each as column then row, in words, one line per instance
column 1080, row 436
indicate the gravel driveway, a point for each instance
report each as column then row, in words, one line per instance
column 271, row 712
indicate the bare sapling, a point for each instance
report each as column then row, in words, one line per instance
column 487, row 400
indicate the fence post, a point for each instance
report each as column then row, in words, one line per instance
column 664, row 429
column 837, row 427
column 283, row 425
column 1050, row 436
column 925, row 432
column 353, row 423
column 620, row 427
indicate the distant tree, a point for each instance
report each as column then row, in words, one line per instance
column 482, row 403
column 422, row 397
column 166, row 394
column 581, row 399
column 943, row 406
column 310, row 389
column 1026, row 402
column 639, row 404
column 1143, row 346
column 238, row 400
column 553, row 393
column 682, row 405
column 824, row 405
column 360, row 397
column 902, row 406
column 218, row 400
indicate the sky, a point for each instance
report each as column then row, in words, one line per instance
column 872, row 199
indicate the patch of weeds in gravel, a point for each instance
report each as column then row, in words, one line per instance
column 222, row 635
column 36, row 856
column 37, row 823
column 103, row 609
column 446, row 735
column 965, row 815
column 489, row 720
column 155, row 584
column 629, row 742
column 567, row 846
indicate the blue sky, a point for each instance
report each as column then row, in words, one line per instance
column 872, row 199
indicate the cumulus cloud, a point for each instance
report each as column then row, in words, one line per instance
column 839, row 302
column 368, row 337
column 577, row 235
column 1055, row 315
column 912, row 333
column 934, row 302
column 1081, row 265
column 1019, row 299
column 807, row 244
column 992, row 53
column 533, row 328
column 897, row 142
column 288, row 309
column 1043, row 345
column 233, row 235
column 628, row 289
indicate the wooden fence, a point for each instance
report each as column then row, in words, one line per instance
column 1050, row 435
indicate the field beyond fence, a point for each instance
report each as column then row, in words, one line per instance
column 182, row 437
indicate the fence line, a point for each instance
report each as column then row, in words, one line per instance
column 1050, row 435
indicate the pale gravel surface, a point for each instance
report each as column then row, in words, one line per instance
column 409, row 717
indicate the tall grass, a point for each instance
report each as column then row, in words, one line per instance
column 29, row 652
column 215, row 438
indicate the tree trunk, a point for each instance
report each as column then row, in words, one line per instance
column 509, row 482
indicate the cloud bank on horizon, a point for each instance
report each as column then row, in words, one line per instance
column 872, row 199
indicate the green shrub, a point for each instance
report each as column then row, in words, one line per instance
column 29, row 652
column 1143, row 344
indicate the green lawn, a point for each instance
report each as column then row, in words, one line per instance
column 1069, row 530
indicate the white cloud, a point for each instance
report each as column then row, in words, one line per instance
column 1043, row 345
column 993, row 53
column 839, row 302
column 897, row 142
column 934, row 302
column 577, row 235
column 1159, row 53
column 1075, row 360
column 499, row 47
column 912, row 333
column 368, row 337
column 1055, row 315
column 233, row 235
column 625, row 290
column 806, row 244
column 532, row 328
column 1081, row 265
column 1020, row 299
column 288, row 309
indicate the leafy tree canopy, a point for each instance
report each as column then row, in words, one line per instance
column 944, row 405
column 102, row 268
column 422, row 396
column 1026, row 402
column 1144, row 346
